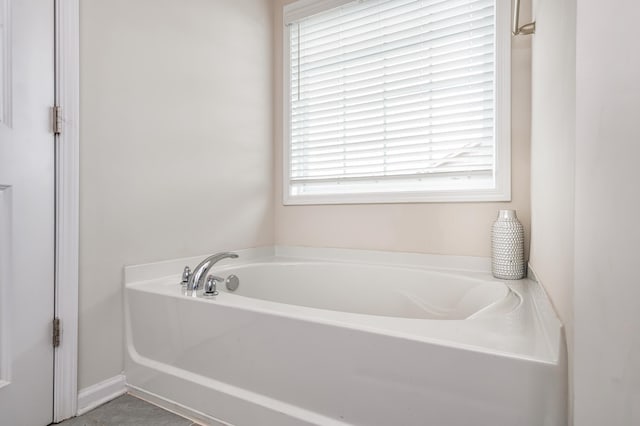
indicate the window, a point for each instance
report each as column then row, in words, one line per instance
column 396, row 101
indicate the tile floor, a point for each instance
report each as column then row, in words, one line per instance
column 128, row 410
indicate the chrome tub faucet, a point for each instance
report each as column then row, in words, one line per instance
column 195, row 280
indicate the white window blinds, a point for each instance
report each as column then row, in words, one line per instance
column 393, row 96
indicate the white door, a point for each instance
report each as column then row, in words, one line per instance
column 26, row 212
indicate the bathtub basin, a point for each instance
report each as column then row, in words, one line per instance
column 335, row 337
column 401, row 292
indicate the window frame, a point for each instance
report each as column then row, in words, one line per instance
column 502, row 125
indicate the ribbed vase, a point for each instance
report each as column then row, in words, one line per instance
column 507, row 247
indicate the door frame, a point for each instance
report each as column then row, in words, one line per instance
column 67, row 231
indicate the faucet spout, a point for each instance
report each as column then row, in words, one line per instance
column 196, row 280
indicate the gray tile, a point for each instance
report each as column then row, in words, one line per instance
column 128, row 411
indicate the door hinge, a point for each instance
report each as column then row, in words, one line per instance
column 56, row 332
column 56, row 112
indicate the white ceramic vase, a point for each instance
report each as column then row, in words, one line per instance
column 507, row 247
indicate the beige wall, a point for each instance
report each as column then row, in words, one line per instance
column 177, row 156
column 553, row 103
column 176, row 146
column 607, row 231
column 461, row 228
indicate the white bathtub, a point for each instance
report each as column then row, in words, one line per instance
column 337, row 337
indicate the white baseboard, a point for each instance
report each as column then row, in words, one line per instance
column 174, row 407
column 95, row 395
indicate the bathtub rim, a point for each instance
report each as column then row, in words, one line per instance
column 436, row 262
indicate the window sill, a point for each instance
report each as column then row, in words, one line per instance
column 399, row 198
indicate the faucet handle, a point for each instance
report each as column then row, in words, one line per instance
column 210, row 286
column 186, row 274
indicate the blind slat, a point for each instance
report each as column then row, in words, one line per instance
column 427, row 138
column 386, row 66
column 457, row 78
column 386, row 116
column 454, row 42
column 436, row 167
column 398, row 164
column 389, row 26
column 482, row 117
column 353, row 16
column 417, row 127
column 384, row 74
column 389, row 48
column 437, row 98
column 375, row 149
column 456, row 174
column 412, row 157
